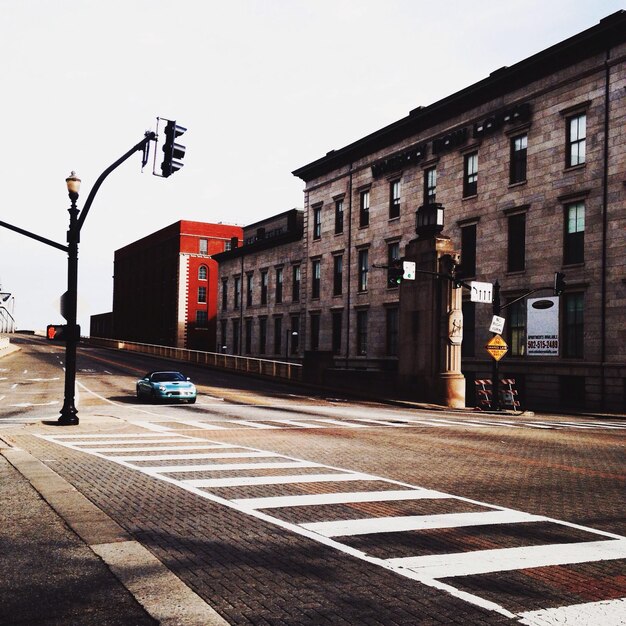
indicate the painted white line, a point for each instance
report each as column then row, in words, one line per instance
column 385, row 423
column 14, row 385
column 198, row 446
column 251, row 424
column 155, row 426
column 189, row 457
column 219, row 467
column 201, row 425
column 107, row 438
column 347, row 497
column 340, row 423
column 119, row 442
column 299, row 424
column 274, row 480
column 606, row 612
column 350, row 528
column 507, row 559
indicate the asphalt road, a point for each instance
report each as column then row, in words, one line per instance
column 282, row 506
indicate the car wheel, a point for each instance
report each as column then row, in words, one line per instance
column 153, row 396
column 192, row 401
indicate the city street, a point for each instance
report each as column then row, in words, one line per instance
column 282, row 505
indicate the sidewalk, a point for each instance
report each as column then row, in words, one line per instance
column 65, row 562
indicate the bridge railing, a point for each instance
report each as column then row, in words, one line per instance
column 242, row 364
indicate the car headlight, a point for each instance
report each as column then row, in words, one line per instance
column 162, row 388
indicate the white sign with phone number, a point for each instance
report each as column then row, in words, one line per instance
column 543, row 327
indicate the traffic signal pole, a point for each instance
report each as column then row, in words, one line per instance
column 495, row 365
column 69, row 413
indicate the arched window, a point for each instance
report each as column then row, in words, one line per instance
column 202, row 272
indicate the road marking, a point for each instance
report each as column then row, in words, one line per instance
column 219, row 467
column 432, row 570
column 350, row 528
column 189, row 457
column 606, row 612
column 340, row 498
column 274, row 480
column 507, row 559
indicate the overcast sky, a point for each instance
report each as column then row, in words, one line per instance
column 263, row 87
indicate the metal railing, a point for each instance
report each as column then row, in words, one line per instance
column 242, row 364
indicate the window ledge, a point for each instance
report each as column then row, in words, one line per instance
column 516, row 272
column 519, row 183
column 571, row 168
column 571, row 266
column 473, row 197
column 394, row 219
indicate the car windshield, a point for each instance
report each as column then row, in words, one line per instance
column 162, row 377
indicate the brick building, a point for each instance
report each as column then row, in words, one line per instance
column 165, row 285
column 529, row 166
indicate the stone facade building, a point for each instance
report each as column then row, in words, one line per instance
column 529, row 166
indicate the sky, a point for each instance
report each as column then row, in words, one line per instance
column 263, row 87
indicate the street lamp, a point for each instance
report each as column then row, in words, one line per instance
column 68, row 412
column 294, row 336
column 429, row 220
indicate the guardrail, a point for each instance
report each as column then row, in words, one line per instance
column 240, row 364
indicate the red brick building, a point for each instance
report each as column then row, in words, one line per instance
column 165, row 285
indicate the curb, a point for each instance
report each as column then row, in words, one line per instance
column 162, row 594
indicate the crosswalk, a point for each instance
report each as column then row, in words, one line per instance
column 263, row 418
column 369, row 517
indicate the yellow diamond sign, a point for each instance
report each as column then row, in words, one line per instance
column 497, row 347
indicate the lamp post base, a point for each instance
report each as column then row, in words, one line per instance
column 68, row 417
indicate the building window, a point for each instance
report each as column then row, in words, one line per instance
column 363, row 269
column 316, row 273
column 392, row 318
column 430, row 185
column 279, row 285
column 262, row 334
column 295, row 334
column 337, row 319
column 468, row 251
column 516, row 324
column 517, row 242
column 393, row 256
column 468, row 347
column 470, row 175
column 202, row 319
column 361, row 333
column 338, row 217
column 224, row 294
column 249, row 289
column 315, row 331
column 278, row 334
column 264, row 287
column 202, row 272
column 203, row 247
column 573, row 325
column 574, row 241
column 227, row 246
column 223, row 333
column 517, row 172
column 394, row 199
column 317, row 222
column 236, row 329
column 295, row 284
column 576, row 140
column 364, row 209
column 337, row 275
column 202, row 295
column 237, row 295
column 248, row 336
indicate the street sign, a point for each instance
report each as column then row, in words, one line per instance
column 481, row 292
column 409, row 270
column 497, row 347
column 497, row 325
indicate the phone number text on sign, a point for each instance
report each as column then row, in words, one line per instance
column 543, row 345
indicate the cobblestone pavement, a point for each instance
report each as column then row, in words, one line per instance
column 260, row 552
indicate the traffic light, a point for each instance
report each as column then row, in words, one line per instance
column 559, row 283
column 56, row 332
column 395, row 273
column 173, row 152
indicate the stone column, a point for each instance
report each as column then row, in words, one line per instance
column 431, row 326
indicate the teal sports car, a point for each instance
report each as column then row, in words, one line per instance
column 166, row 385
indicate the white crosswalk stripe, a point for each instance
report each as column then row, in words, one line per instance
column 164, row 456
